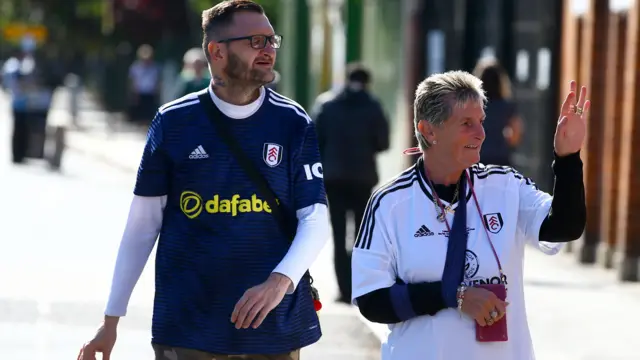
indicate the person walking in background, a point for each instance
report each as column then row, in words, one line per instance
column 235, row 245
column 31, row 82
column 14, row 81
column 352, row 130
column 194, row 76
column 144, row 88
column 503, row 125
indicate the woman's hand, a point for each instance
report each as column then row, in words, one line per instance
column 572, row 123
column 479, row 304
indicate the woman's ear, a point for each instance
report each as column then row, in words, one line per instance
column 427, row 132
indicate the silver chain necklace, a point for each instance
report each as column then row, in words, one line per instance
column 441, row 213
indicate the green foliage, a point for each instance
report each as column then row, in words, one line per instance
column 71, row 24
column 90, row 9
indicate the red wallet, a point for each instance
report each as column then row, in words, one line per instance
column 497, row 331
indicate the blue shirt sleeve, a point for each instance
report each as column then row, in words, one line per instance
column 308, row 180
column 153, row 172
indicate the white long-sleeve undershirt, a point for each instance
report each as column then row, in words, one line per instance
column 143, row 226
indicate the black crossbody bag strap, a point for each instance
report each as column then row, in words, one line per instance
column 224, row 132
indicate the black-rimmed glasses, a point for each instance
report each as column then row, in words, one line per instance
column 258, row 41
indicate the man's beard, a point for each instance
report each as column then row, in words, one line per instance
column 239, row 71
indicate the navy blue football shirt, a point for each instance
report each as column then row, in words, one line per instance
column 218, row 236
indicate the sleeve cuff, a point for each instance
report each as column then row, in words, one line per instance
column 292, row 274
column 570, row 165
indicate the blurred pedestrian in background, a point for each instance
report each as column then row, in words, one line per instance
column 144, row 86
column 30, row 82
column 352, row 130
column 503, row 125
column 195, row 74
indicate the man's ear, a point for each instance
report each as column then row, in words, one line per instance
column 427, row 131
column 216, row 51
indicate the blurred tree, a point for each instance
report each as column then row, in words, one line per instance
column 99, row 37
column 93, row 24
column 71, row 24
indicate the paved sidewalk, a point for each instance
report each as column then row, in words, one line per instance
column 100, row 135
column 122, row 151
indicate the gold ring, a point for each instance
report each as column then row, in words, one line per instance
column 579, row 110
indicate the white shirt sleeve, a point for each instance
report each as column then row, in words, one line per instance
column 533, row 209
column 311, row 236
column 373, row 261
column 140, row 234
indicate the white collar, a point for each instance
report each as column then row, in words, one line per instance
column 238, row 111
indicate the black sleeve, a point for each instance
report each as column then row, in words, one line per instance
column 426, row 299
column 568, row 214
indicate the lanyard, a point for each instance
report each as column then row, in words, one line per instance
column 475, row 198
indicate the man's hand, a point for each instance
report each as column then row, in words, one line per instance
column 103, row 342
column 257, row 302
column 479, row 303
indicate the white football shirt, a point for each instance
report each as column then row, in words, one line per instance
column 400, row 238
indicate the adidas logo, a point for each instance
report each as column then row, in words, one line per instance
column 423, row 231
column 199, row 153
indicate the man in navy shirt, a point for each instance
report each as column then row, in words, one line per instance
column 229, row 282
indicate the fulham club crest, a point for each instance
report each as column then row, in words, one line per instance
column 272, row 154
column 493, row 222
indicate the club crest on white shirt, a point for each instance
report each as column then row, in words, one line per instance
column 493, row 222
column 272, row 154
column 471, row 264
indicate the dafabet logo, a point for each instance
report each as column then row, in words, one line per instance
column 192, row 205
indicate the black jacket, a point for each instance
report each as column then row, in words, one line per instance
column 352, row 129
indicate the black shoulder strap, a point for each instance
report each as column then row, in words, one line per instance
column 224, row 131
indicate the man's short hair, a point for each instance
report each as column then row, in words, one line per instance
column 437, row 95
column 216, row 19
column 357, row 72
